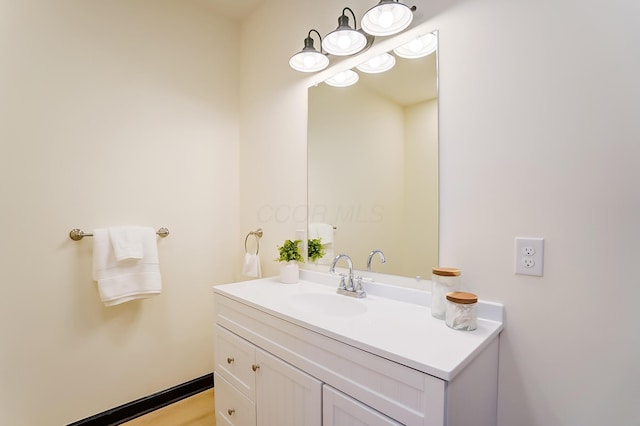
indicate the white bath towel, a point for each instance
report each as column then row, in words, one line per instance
column 324, row 231
column 126, row 242
column 251, row 266
column 129, row 279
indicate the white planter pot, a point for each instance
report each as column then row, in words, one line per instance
column 290, row 273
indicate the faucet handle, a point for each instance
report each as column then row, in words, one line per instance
column 343, row 284
column 357, row 287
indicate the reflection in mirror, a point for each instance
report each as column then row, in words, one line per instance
column 373, row 168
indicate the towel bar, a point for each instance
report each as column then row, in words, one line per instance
column 258, row 234
column 76, row 234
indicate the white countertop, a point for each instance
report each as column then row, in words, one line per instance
column 397, row 330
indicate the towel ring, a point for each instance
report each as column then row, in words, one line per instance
column 258, row 234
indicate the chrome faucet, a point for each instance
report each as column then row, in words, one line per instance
column 373, row 253
column 348, row 287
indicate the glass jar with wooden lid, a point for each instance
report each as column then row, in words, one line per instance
column 461, row 311
column 443, row 281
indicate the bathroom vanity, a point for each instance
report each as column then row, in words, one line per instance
column 300, row 354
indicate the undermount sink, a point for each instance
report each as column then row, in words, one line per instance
column 327, row 304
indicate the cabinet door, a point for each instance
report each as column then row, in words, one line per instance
column 234, row 358
column 232, row 407
column 339, row 409
column 286, row 396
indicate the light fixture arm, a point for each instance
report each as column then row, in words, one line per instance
column 343, row 20
column 308, row 42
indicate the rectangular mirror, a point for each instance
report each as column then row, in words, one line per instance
column 373, row 167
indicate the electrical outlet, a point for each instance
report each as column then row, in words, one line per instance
column 529, row 256
column 528, row 262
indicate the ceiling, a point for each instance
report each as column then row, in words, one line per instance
column 234, row 9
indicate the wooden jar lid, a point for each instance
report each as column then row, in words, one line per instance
column 446, row 272
column 462, row 297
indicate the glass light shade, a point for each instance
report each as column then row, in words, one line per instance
column 343, row 79
column 418, row 47
column 309, row 61
column 386, row 18
column 378, row 64
column 344, row 42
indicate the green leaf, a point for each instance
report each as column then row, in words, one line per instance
column 315, row 249
column 290, row 251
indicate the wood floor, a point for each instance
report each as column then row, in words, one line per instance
column 193, row 411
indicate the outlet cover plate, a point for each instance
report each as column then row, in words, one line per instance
column 529, row 256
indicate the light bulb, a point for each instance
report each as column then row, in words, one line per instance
column 344, row 41
column 374, row 62
column 308, row 61
column 378, row 64
column 386, row 19
column 415, row 45
column 343, row 79
column 418, row 47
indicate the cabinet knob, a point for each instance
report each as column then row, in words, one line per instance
column 255, row 367
column 230, row 360
column 231, row 411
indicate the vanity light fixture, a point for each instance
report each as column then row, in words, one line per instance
column 344, row 40
column 418, row 47
column 309, row 59
column 378, row 64
column 343, row 79
column 387, row 18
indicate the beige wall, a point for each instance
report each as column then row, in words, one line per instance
column 538, row 138
column 111, row 113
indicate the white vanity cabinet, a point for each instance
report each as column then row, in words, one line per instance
column 388, row 364
column 255, row 388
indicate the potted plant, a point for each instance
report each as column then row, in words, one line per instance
column 315, row 250
column 290, row 254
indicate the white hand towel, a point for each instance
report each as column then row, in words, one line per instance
column 127, row 242
column 130, row 279
column 251, row 266
column 324, row 231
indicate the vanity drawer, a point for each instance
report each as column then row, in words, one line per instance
column 234, row 358
column 339, row 409
column 232, row 407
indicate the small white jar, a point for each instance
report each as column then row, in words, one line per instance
column 461, row 311
column 443, row 281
